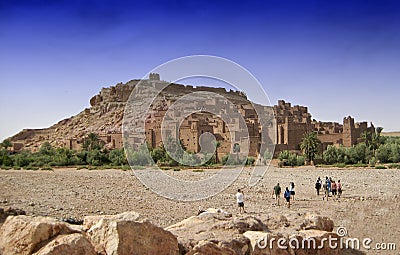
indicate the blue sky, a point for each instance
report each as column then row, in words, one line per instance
column 338, row 58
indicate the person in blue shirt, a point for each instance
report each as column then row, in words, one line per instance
column 328, row 184
column 286, row 195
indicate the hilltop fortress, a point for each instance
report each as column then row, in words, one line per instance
column 105, row 118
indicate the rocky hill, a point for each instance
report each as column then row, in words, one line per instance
column 104, row 116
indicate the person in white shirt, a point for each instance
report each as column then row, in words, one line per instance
column 291, row 189
column 240, row 200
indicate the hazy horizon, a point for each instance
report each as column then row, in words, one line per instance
column 337, row 58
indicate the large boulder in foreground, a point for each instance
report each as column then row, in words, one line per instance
column 25, row 235
column 317, row 222
column 75, row 244
column 129, row 234
column 222, row 231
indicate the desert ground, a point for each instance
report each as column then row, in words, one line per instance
column 369, row 206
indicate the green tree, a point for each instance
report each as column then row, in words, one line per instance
column 95, row 157
column 6, row 144
column 173, row 150
column 358, row 154
column 383, row 153
column 22, row 159
column 217, row 145
column 309, row 145
column 92, row 142
column 331, row 155
column 139, row 157
column 287, row 158
column 373, row 140
column 117, row 157
column 46, row 149
column 158, row 154
column 5, row 159
column 394, row 153
column 190, row 159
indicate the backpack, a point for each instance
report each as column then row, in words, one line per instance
column 287, row 194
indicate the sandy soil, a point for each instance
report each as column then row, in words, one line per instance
column 369, row 207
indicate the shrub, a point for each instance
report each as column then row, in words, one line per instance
column 190, row 159
column 158, row 154
column 22, row 159
column 268, row 155
column 358, row 154
column 372, row 161
column 140, row 157
column 96, row 158
column 331, row 155
column 284, row 155
column 31, row 168
column 394, row 166
column 380, row 167
column 290, row 159
column 300, row 161
column 6, row 160
column 360, row 165
column 117, row 157
column 233, row 159
column 250, row 161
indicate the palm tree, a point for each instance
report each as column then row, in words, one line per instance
column 310, row 145
column 217, row 145
column 236, row 150
column 376, row 139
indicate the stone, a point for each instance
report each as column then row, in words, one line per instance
column 76, row 244
column 27, row 234
column 207, row 247
column 277, row 222
column 322, row 243
column 218, row 227
column 73, row 221
column 263, row 243
column 128, row 233
column 317, row 222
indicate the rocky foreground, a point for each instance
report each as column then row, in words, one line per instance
column 213, row 231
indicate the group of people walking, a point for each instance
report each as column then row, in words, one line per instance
column 329, row 186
